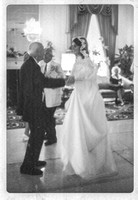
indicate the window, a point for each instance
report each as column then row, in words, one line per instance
column 96, row 47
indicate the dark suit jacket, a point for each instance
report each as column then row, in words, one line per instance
column 32, row 82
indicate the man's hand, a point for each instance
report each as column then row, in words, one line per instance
column 70, row 80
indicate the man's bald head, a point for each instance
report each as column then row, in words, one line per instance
column 36, row 50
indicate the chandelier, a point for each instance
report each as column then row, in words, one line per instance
column 32, row 30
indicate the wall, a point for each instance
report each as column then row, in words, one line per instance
column 125, row 26
column 16, row 18
column 53, row 20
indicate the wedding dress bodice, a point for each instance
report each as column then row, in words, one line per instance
column 84, row 69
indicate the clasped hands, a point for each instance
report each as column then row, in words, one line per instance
column 70, row 80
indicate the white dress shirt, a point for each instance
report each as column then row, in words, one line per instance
column 52, row 96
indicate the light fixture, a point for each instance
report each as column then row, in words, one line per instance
column 67, row 62
column 32, row 30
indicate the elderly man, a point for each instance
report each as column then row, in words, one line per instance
column 31, row 108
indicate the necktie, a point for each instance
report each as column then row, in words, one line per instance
column 45, row 69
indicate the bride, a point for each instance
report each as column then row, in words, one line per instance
column 85, row 148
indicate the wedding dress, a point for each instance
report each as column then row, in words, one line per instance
column 85, row 148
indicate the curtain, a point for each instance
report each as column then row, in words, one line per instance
column 81, row 28
column 108, row 34
column 108, row 28
column 114, row 18
column 79, row 22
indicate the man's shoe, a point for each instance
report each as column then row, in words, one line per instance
column 40, row 163
column 50, row 142
column 31, row 171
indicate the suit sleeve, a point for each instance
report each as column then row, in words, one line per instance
column 53, row 83
column 48, row 82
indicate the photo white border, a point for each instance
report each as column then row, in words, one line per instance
column 13, row 196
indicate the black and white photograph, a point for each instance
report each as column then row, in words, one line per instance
column 69, row 98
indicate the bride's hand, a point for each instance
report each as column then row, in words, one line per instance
column 70, row 80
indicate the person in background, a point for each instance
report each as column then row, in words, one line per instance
column 51, row 97
column 116, row 80
column 32, row 109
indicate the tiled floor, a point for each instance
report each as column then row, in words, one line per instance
column 53, row 180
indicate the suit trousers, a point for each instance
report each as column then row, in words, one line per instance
column 35, row 142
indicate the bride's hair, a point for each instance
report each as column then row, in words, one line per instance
column 86, row 48
column 78, row 42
